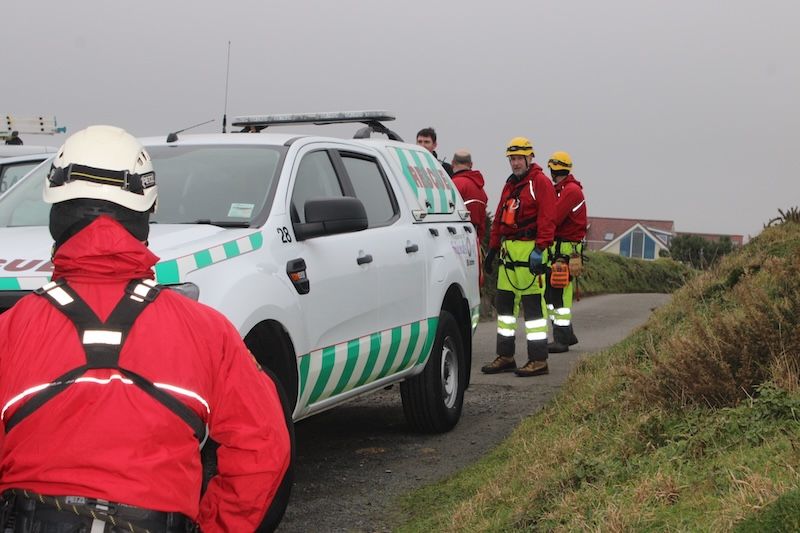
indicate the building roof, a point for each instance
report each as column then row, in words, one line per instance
column 738, row 240
column 603, row 230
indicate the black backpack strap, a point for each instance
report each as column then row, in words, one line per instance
column 102, row 343
column 183, row 411
column 68, row 302
column 55, row 387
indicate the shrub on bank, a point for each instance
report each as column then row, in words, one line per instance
column 606, row 273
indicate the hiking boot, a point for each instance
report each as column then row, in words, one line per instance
column 532, row 368
column 560, row 342
column 557, row 347
column 570, row 337
column 501, row 363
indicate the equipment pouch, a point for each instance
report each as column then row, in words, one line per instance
column 559, row 274
column 509, row 215
column 576, row 265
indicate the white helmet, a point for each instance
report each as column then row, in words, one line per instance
column 103, row 163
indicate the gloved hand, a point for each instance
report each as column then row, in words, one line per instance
column 488, row 261
column 535, row 262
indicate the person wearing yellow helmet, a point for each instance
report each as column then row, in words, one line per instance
column 521, row 232
column 570, row 221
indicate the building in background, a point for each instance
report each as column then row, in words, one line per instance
column 737, row 240
column 641, row 238
column 630, row 237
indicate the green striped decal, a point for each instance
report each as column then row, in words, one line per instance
column 336, row 369
column 446, row 194
column 175, row 270
column 23, row 283
column 432, row 186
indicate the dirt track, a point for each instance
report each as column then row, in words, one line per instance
column 355, row 460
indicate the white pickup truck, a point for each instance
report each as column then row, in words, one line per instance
column 347, row 265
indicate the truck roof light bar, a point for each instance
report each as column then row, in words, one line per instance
column 373, row 119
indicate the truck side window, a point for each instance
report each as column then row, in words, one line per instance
column 316, row 178
column 371, row 188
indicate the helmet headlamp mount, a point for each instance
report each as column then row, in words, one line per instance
column 133, row 183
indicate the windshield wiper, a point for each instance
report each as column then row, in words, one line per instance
column 220, row 223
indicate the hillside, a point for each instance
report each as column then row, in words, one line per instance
column 692, row 423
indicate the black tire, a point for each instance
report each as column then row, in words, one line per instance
column 432, row 400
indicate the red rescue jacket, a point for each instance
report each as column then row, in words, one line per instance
column 470, row 184
column 103, row 438
column 534, row 213
column 571, row 218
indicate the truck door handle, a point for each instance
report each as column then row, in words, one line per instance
column 363, row 259
column 411, row 248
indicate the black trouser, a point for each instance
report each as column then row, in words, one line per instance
column 32, row 513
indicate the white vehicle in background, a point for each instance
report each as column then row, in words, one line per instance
column 12, row 169
column 346, row 264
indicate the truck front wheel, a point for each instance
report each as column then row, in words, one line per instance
column 432, row 400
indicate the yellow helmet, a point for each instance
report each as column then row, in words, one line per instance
column 560, row 161
column 519, row 146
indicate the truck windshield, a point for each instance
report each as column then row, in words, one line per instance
column 207, row 184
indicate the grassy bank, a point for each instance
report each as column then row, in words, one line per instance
column 692, row 423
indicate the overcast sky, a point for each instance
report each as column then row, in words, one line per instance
column 685, row 111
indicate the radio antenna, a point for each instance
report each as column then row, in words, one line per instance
column 227, row 75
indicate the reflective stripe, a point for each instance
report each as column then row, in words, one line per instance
column 578, row 206
column 563, row 311
column 106, row 381
column 184, row 392
column 507, row 319
column 550, row 307
column 21, row 395
column 99, row 336
column 561, row 322
column 473, row 201
column 505, row 332
column 60, row 295
column 141, row 290
column 530, row 185
column 538, row 323
column 537, row 336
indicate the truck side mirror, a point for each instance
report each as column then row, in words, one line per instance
column 329, row 216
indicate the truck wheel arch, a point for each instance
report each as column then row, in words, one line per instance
column 270, row 344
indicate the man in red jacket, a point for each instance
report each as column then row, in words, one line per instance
column 521, row 232
column 570, row 220
column 470, row 185
column 110, row 384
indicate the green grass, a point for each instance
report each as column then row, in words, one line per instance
column 690, row 424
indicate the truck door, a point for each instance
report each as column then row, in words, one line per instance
column 397, row 247
column 342, row 302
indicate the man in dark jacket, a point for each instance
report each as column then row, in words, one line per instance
column 570, row 221
column 521, row 232
column 110, row 384
column 426, row 137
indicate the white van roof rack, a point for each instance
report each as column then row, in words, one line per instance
column 11, row 126
column 373, row 120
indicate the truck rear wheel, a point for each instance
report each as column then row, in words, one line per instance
column 432, row 400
